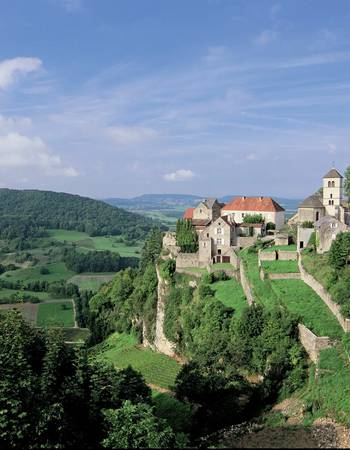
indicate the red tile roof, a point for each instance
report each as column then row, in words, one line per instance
column 259, row 204
column 188, row 214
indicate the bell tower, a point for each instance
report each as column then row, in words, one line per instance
column 332, row 192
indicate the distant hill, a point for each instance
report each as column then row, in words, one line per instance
column 179, row 202
column 25, row 212
column 154, row 201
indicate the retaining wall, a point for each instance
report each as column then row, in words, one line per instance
column 287, row 255
column 243, row 241
column 187, row 260
column 326, row 297
column 284, row 276
column 245, row 284
column 312, row 343
column 189, row 272
column 267, row 256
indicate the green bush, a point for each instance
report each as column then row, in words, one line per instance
column 167, row 268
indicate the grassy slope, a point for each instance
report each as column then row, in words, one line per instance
column 58, row 314
column 295, row 295
column 262, row 290
column 299, row 298
column 123, row 350
column 280, row 266
column 317, row 266
column 230, row 293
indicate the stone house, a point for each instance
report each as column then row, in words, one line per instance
column 240, row 207
column 216, row 242
column 326, row 230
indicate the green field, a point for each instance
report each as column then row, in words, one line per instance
column 195, row 269
column 299, row 298
column 289, row 248
column 55, row 314
column 58, row 271
column 123, row 350
column 86, row 242
column 230, row 293
column 280, row 266
column 91, row 281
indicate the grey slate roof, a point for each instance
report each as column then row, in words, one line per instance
column 209, row 202
column 333, row 173
column 314, row 201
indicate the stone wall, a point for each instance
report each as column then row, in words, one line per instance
column 266, row 256
column 287, row 255
column 245, row 284
column 188, row 272
column 187, row 260
column 284, row 276
column 243, row 241
column 320, row 290
column 161, row 343
column 312, row 343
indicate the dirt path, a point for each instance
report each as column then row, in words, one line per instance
column 154, row 387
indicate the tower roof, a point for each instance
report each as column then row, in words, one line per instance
column 333, row 173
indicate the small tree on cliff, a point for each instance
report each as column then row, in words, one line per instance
column 186, row 236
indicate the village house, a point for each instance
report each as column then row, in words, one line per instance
column 326, row 213
column 221, row 228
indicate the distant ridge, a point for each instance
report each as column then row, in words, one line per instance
column 148, row 202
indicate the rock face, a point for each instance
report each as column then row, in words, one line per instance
column 161, row 343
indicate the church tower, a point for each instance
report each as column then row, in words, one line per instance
column 332, row 192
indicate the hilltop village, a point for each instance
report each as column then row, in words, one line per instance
column 224, row 228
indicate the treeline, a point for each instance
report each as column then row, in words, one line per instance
column 26, row 214
column 96, row 261
column 52, row 396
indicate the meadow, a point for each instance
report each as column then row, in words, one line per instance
column 123, row 350
column 91, row 281
column 317, row 266
column 57, row 271
column 55, row 314
column 86, row 242
column 231, row 294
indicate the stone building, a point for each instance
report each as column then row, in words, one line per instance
column 240, row 207
column 327, row 210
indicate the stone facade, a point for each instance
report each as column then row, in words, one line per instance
column 286, row 255
column 207, row 209
column 327, row 229
column 303, row 237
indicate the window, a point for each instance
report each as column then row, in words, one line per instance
column 331, row 195
column 207, row 234
column 333, row 183
column 218, row 241
column 329, row 184
column 204, row 244
column 331, row 202
column 242, row 214
column 219, row 230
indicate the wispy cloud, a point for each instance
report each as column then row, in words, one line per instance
column 20, row 151
column 179, row 175
column 125, row 135
column 70, row 5
column 265, row 38
column 12, row 69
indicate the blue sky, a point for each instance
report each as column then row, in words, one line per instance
column 209, row 97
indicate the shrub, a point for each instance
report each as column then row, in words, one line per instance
column 44, row 271
column 307, row 224
column 253, row 218
column 167, row 268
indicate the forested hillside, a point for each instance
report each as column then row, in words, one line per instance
column 27, row 213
